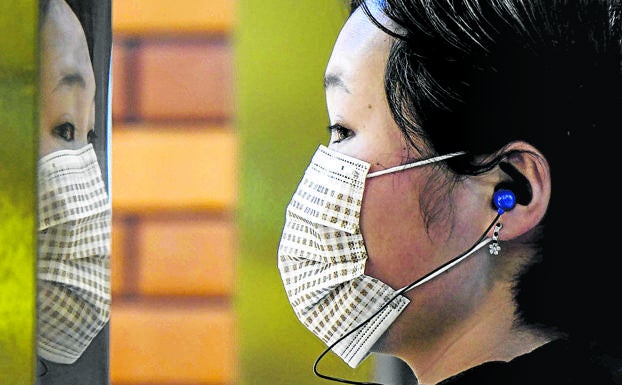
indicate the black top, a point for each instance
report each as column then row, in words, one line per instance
column 557, row 363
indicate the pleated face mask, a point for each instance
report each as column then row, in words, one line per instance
column 322, row 255
column 74, row 253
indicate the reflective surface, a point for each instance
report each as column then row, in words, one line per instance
column 74, row 282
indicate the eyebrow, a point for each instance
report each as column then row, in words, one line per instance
column 71, row 79
column 334, row 80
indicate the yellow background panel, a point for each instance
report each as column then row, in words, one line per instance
column 135, row 16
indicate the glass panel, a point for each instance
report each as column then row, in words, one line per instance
column 74, row 213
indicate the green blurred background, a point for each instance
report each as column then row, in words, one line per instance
column 282, row 48
column 18, row 21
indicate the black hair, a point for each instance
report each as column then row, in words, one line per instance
column 475, row 75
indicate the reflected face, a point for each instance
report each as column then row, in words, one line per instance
column 67, row 82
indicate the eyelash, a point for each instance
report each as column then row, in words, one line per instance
column 65, row 131
column 341, row 132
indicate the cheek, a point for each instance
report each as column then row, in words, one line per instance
column 398, row 246
column 47, row 142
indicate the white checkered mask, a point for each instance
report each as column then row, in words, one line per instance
column 322, row 255
column 74, row 253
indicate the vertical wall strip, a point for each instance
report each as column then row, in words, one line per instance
column 18, row 154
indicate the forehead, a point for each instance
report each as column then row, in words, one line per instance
column 361, row 48
column 63, row 42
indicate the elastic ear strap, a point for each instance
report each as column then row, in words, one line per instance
column 415, row 164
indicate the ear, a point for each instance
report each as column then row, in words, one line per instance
column 527, row 172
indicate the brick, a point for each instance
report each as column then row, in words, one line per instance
column 181, row 168
column 172, row 344
column 185, row 80
column 179, row 16
column 186, row 257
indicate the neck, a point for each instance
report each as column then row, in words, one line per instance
column 489, row 334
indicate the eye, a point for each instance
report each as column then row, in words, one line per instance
column 91, row 136
column 339, row 133
column 65, row 131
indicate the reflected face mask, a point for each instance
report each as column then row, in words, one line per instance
column 322, row 255
column 74, row 253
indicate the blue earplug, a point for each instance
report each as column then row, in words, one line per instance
column 504, row 200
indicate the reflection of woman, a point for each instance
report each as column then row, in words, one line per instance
column 67, row 81
column 74, row 210
column 503, row 100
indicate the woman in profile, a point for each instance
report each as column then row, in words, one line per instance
column 462, row 215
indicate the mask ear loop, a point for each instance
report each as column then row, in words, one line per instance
column 481, row 242
column 414, row 164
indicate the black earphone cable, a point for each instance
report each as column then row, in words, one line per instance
column 414, row 284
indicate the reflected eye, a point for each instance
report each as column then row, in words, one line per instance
column 65, row 131
column 91, row 136
column 339, row 133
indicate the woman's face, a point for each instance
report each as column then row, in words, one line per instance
column 400, row 248
column 67, row 82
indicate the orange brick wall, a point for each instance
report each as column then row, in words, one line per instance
column 174, row 193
